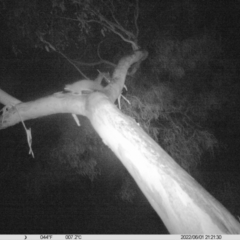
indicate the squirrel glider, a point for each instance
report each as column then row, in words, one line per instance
column 83, row 85
column 86, row 85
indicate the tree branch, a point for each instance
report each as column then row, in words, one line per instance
column 58, row 103
column 116, row 27
column 65, row 102
column 136, row 15
column 49, row 45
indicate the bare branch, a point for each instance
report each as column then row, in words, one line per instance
column 65, row 102
column 102, row 61
column 71, row 62
column 136, row 15
column 49, row 45
column 116, row 27
column 98, row 53
column 112, row 13
column 111, row 28
column 76, row 62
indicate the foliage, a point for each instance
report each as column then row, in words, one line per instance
column 65, row 25
column 171, row 125
column 74, row 151
column 177, row 57
column 175, row 110
column 127, row 191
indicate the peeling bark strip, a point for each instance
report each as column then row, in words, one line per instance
column 183, row 204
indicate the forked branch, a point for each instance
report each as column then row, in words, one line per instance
column 115, row 26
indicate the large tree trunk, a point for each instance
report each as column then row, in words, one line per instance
column 183, row 204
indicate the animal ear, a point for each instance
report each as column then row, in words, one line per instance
column 103, row 76
column 66, row 88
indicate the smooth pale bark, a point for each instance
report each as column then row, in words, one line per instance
column 61, row 103
column 16, row 111
column 183, row 204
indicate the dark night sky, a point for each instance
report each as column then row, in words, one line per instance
column 82, row 206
